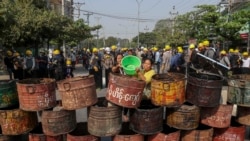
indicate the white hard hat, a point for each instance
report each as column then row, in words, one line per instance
column 107, row 49
column 142, row 47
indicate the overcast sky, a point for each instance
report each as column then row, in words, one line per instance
column 119, row 17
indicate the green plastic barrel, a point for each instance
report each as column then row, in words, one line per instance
column 130, row 63
column 8, row 93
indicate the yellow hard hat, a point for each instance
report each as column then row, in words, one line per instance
column 180, row 50
column 223, row 52
column 68, row 61
column 95, row 50
column 231, row 50
column 16, row 54
column 56, row 52
column 145, row 49
column 84, row 49
column 9, row 53
column 155, row 48
column 179, row 47
column 245, row 53
column 200, row 45
column 206, row 43
column 236, row 51
column 113, row 47
column 191, row 46
column 28, row 52
column 167, row 47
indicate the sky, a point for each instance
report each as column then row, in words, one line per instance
column 119, row 18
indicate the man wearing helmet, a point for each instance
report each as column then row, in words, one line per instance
column 95, row 68
column 29, row 64
column 8, row 61
column 58, row 65
column 18, row 66
column 108, row 63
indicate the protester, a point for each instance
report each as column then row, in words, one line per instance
column 8, row 61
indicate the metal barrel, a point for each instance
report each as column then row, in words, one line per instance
column 167, row 134
column 202, row 133
column 8, row 93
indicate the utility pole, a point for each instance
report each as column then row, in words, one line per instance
column 146, row 28
column 138, row 19
column 78, row 6
column 63, row 13
column 88, row 15
column 173, row 15
column 97, row 31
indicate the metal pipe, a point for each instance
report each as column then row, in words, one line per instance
column 212, row 60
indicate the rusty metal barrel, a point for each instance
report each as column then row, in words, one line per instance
column 16, row 121
column 58, row 121
column 104, row 120
column 124, row 90
column 78, row 92
column 185, row 117
column 146, row 119
column 36, row 94
column 236, row 132
column 219, row 117
column 243, row 115
column 127, row 134
column 8, row 93
column 168, row 134
column 202, row 133
column 204, row 90
column 37, row 135
column 9, row 138
column 168, row 89
column 239, row 90
column 81, row 134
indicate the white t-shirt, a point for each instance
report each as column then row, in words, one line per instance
column 246, row 62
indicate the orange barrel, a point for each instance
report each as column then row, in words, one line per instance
column 243, row 115
column 37, row 135
column 17, row 121
column 219, row 117
column 204, row 90
column 127, row 134
column 146, row 119
column 236, row 132
column 168, row 89
column 104, row 120
column 8, row 93
column 9, row 138
column 202, row 133
column 185, row 117
column 36, row 94
column 239, row 90
column 58, row 121
column 81, row 134
column 77, row 92
column 168, row 134
column 124, row 90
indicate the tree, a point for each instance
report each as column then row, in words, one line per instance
column 146, row 39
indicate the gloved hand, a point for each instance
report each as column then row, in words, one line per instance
column 95, row 68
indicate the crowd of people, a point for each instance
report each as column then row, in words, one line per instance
column 41, row 66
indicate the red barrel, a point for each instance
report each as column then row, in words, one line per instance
column 36, row 94
column 202, row 133
column 124, row 90
column 243, row 115
column 17, row 121
column 37, row 135
column 58, row 121
column 168, row 134
column 236, row 132
column 127, row 134
column 77, row 92
column 219, row 117
column 81, row 134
